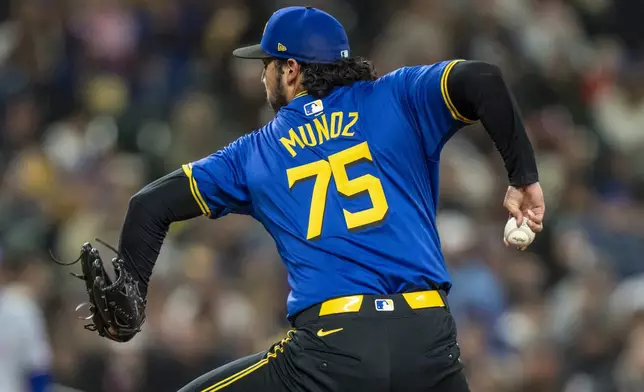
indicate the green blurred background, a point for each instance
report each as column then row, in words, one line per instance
column 99, row 97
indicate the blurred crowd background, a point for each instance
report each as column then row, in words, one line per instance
column 99, row 97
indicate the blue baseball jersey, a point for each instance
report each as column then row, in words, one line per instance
column 346, row 185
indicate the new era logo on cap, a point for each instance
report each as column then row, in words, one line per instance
column 385, row 305
column 281, row 47
column 314, row 107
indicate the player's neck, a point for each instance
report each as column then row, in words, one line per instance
column 296, row 93
column 294, row 88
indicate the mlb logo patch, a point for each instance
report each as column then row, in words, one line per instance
column 314, row 107
column 385, row 305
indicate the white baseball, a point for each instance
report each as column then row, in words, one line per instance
column 521, row 236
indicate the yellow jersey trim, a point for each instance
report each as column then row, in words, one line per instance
column 195, row 190
column 448, row 101
column 301, row 94
column 348, row 304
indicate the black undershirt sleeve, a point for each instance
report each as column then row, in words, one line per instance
column 149, row 215
column 478, row 92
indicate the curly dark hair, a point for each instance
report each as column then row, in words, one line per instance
column 320, row 79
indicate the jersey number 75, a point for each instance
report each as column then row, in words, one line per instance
column 336, row 166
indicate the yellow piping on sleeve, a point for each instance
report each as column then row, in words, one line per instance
column 195, row 190
column 448, row 101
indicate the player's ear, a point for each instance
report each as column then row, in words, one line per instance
column 292, row 70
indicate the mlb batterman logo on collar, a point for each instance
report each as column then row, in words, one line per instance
column 305, row 34
column 314, row 107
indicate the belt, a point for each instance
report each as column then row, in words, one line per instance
column 353, row 303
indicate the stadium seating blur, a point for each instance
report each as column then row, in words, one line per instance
column 99, row 97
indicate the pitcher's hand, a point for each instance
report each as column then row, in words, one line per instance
column 526, row 202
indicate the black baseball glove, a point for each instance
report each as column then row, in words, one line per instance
column 117, row 308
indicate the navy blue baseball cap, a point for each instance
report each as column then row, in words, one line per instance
column 305, row 34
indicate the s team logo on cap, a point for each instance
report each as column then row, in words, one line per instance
column 314, row 107
column 385, row 305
